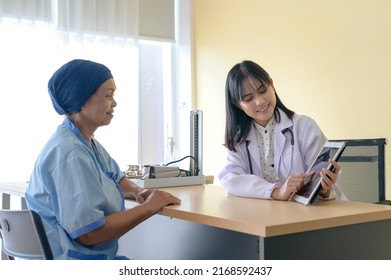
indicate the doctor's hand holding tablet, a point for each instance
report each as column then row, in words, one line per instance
column 324, row 174
column 273, row 152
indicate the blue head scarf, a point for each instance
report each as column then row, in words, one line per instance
column 73, row 84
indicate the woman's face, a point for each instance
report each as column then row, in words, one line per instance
column 258, row 101
column 99, row 108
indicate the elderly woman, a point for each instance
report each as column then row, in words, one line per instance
column 76, row 187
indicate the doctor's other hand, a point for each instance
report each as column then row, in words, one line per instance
column 291, row 186
column 329, row 178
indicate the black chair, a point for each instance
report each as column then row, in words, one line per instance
column 363, row 170
column 23, row 235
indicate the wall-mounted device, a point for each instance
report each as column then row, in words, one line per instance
column 196, row 142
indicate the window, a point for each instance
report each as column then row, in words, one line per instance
column 146, row 69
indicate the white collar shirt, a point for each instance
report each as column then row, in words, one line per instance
column 265, row 137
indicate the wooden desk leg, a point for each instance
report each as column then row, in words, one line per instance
column 23, row 203
column 5, row 203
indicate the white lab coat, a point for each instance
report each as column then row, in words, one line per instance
column 289, row 159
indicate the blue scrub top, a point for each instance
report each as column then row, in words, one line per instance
column 73, row 190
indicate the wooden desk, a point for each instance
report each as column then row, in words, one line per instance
column 210, row 205
column 211, row 225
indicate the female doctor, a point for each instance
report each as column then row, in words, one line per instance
column 270, row 148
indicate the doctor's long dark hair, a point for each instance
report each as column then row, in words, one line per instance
column 238, row 124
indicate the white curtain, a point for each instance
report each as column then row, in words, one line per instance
column 37, row 37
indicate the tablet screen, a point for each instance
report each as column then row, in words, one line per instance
column 322, row 161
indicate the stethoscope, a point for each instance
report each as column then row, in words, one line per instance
column 292, row 140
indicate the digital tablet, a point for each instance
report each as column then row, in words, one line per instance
column 309, row 192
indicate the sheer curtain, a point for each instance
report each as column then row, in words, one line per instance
column 37, row 37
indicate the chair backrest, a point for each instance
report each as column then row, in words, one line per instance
column 23, row 235
column 363, row 170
